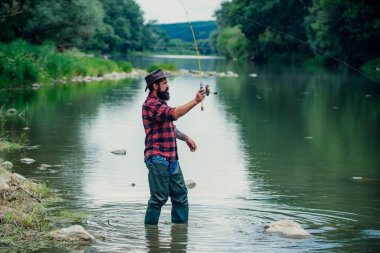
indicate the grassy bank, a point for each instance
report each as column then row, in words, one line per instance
column 22, row 64
column 26, row 218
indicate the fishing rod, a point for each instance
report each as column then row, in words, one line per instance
column 207, row 87
column 302, row 42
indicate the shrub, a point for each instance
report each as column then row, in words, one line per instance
column 125, row 66
column 163, row 66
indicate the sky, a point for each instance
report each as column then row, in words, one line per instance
column 172, row 11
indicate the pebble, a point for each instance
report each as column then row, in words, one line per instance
column 119, row 152
column 27, row 160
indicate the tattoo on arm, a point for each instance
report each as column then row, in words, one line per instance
column 180, row 135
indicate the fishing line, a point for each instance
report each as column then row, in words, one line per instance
column 302, row 42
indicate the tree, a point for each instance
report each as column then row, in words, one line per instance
column 258, row 18
column 232, row 43
column 346, row 29
column 66, row 22
column 123, row 29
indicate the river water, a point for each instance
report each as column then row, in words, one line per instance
column 291, row 143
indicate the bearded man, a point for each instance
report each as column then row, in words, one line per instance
column 161, row 157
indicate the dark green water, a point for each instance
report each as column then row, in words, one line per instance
column 287, row 144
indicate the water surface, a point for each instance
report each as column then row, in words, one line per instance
column 284, row 145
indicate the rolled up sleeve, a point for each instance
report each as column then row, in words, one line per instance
column 161, row 112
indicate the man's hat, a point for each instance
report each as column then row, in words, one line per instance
column 154, row 76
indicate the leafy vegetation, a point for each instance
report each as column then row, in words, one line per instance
column 22, row 63
column 348, row 30
column 25, row 217
column 180, row 39
column 163, row 66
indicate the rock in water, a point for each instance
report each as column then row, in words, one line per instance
column 190, row 184
column 7, row 165
column 27, row 160
column 287, row 228
column 119, row 152
column 73, row 233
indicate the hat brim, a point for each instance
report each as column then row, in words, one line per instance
column 158, row 78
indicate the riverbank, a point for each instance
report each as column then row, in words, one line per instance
column 23, row 64
column 27, row 220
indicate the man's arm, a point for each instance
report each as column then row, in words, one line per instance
column 183, row 137
column 183, row 109
column 179, row 135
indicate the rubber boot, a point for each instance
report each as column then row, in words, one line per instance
column 180, row 215
column 152, row 216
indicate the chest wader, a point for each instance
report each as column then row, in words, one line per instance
column 166, row 180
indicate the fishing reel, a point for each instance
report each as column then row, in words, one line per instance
column 208, row 90
column 207, row 93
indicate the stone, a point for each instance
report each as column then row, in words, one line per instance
column 3, row 186
column 73, row 233
column 190, row 184
column 286, row 228
column 27, row 160
column 7, row 165
column 119, row 152
column 11, row 112
column 20, row 177
column 36, row 86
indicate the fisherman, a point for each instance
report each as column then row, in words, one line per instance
column 161, row 157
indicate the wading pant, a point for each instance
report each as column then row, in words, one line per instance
column 162, row 184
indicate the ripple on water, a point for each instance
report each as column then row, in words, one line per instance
column 120, row 228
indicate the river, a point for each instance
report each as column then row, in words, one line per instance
column 290, row 143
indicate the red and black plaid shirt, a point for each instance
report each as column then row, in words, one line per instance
column 159, row 129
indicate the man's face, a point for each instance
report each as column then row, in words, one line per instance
column 163, row 90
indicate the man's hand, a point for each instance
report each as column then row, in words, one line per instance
column 191, row 144
column 200, row 96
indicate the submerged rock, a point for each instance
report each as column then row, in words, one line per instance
column 73, row 233
column 286, row 228
column 366, row 180
column 119, row 152
column 11, row 112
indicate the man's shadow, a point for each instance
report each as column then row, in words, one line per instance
column 176, row 243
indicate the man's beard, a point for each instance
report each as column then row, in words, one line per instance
column 163, row 95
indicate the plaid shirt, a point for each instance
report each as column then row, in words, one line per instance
column 159, row 129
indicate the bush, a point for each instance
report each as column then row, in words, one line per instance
column 125, row 66
column 163, row 66
column 22, row 63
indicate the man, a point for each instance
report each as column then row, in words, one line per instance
column 165, row 175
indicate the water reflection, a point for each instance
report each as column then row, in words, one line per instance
column 284, row 145
column 158, row 243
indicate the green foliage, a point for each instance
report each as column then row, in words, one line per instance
column 346, row 29
column 263, row 43
column 125, row 66
column 163, row 66
column 73, row 217
column 372, row 68
column 202, row 30
column 353, row 37
column 232, row 43
column 67, row 23
column 122, row 30
column 22, row 63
